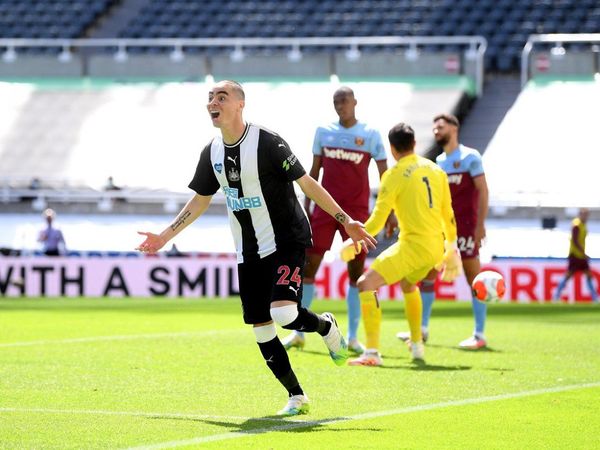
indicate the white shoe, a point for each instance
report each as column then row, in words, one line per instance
column 356, row 347
column 335, row 342
column 473, row 343
column 370, row 357
column 293, row 340
column 405, row 336
column 417, row 349
column 297, row 404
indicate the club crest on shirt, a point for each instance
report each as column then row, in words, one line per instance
column 218, row 167
column 359, row 141
column 456, row 164
column 233, row 175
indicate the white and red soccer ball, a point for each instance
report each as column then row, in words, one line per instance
column 488, row 286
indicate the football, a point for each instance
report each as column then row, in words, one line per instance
column 488, row 286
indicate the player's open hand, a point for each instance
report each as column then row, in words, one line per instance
column 356, row 231
column 152, row 243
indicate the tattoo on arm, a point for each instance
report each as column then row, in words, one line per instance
column 180, row 220
column 341, row 218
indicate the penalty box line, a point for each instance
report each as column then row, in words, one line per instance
column 369, row 415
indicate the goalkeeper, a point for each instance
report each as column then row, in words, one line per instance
column 469, row 192
column 418, row 191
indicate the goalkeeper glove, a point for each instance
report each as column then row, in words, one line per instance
column 348, row 252
column 451, row 264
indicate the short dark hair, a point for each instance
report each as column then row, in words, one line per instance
column 343, row 91
column 402, row 137
column 236, row 88
column 449, row 118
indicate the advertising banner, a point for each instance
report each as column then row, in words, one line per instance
column 216, row 276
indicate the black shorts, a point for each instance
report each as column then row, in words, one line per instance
column 275, row 277
column 578, row 264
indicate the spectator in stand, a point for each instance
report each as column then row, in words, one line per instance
column 110, row 185
column 35, row 184
column 52, row 239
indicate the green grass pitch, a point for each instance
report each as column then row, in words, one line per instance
column 181, row 373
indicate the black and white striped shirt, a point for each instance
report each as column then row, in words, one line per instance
column 256, row 175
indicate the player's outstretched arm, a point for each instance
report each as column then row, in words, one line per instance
column 193, row 209
column 321, row 197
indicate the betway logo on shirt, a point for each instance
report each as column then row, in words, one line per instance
column 455, row 178
column 340, row 153
column 237, row 204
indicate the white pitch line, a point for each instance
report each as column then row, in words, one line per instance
column 151, row 415
column 124, row 337
column 363, row 416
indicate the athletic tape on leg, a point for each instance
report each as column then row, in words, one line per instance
column 265, row 333
column 284, row 315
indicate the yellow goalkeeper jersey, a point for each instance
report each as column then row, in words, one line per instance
column 417, row 190
column 578, row 235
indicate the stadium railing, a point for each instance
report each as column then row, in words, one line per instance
column 470, row 50
column 546, row 54
column 97, row 200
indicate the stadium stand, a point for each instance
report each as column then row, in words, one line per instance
column 543, row 148
column 50, row 18
column 506, row 24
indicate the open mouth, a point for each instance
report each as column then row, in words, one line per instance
column 214, row 114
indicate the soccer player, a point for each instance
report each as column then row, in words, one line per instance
column 255, row 169
column 343, row 149
column 469, row 191
column 417, row 189
column 578, row 260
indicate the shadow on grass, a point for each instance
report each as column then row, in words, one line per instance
column 424, row 367
column 258, row 425
column 487, row 349
column 324, row 353
column 498, row 369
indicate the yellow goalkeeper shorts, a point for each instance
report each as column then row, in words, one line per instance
column 410, row 260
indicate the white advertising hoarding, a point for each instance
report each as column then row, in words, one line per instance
column 216, row 276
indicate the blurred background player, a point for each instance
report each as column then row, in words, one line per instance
column 578, row 260
column 52, row 239
column 343, row 149
column 469, row 191
column 417, row 189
